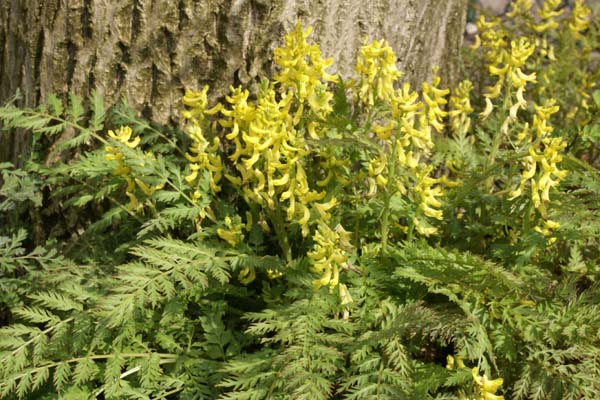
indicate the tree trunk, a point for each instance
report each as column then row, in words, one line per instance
column 149, row 50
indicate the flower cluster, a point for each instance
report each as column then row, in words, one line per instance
column 508, row 68
column 519, row 7
column 485, row 387
column 540, row 165
column 578, row 22
column 202, row 156
column 232, row 233
column 429, row 205
column 303, row 70
column 492, row 39
column 268, row 138
column 330, row 255
column 460, row 108
column 579, row 19
column 114, row 153
column 548, row 15
column 416, row 120
column 268, row 154
column 406, row 134
column 435, row 100
column 376, row 68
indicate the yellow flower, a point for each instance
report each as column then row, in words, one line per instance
column 384, row 132
column 319, row 99
column 427, row 194
column 519, row 7
column 345, row 296
column 329, row 254
column 377, row 72
column 123, row 134
column 548, row 14
column 491, row 39
column 452, row 362
column 423, row 227
column 579, row 19
column 246, row 275
column 485, row 387
column 202, row 154
column 434, row 100
column 460, row 108
column 377, row 167
column 323, row 208
column 489, row 107
column 303, row 69
column 197, row 101
column 233, row 234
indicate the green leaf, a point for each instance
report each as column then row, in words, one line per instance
column 85, row 371
column 56, row 301
column 150, row 372
column 62, row 375
column 37, row 315
column 55, row 105
column 596, row 96
column 40, row 377
column 98, row 112
column 76, row 109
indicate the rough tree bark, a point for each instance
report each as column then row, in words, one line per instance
column 149, row 50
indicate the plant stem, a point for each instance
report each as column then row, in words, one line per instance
column 389, row 191
column 280, row 231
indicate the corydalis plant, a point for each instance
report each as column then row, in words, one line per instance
column 321, row 238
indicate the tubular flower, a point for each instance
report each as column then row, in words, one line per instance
column 491, row 39
column 426, row 194
column 332, row 167
column 247, row 275
column 345, row 296
column 578, row 21
column 546, row 228
column 233, row 233
column 434, row 100
column 329, row 254
column 202, row 155
column 303, row 70
column 510, row 71
column 548, row 14
column 460, row 108
column 123, row 136
column 268, row 154
column 427, row 199
column 519, row 7
column 485, row 387
column 378, row 168
column 454, row 362
column 377, row 72
column 540, row 166
column 415, row 130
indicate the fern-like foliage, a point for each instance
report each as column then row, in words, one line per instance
column 315, row 240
